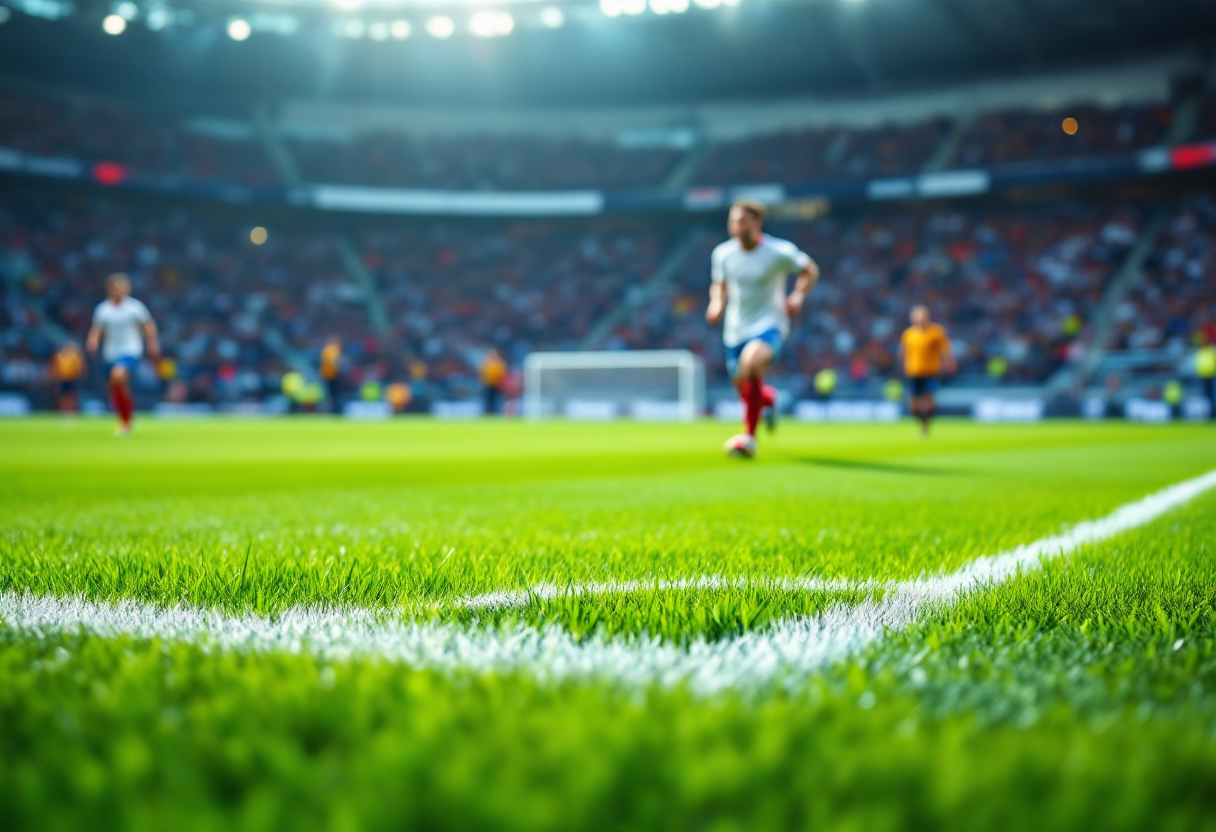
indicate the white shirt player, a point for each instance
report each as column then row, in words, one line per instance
column 755, row 286
column 121, row 326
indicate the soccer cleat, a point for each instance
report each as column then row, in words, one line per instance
column 742, row 446
column 122, row 431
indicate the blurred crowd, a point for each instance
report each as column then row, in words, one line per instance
column 483, row 162
column 1173, row 306
column 835, row 153
column 144, row 141
column 155, row 143
column 1017, row 287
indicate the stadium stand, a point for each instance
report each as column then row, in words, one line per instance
column 96, row 129
column 1020, row 135
column 501, row 163
column 1018, row 283
column 803, row 155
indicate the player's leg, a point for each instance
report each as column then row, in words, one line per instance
column 120, row 394
column 754, row 362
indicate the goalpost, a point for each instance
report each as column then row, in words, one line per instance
column 660, row 385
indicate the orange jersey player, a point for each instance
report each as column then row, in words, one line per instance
column 926, row 352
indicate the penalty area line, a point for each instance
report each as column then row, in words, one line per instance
column 787, row 653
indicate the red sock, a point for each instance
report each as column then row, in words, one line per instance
column 753, row 404
column 124, row 405
column 770, row 394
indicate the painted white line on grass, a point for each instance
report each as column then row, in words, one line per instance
column 506, row 599
column 786, row 653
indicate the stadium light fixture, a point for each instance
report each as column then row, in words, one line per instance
column 610, row 8
column 113, row 25
column 633, row 7
column 157, row 18
column 127, row 10
column 400, row 30
column 239, row 29
column 258, row 236
column 378, row 31
column 678, row 6
column 660, row 6
column 441, row 27
column 488, row 24
column 552, row 17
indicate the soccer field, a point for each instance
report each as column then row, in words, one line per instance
column 317, row 624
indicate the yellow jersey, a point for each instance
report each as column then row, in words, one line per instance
column 924, row 349
column 68, row 365
column 493, row 372
column 331, row 354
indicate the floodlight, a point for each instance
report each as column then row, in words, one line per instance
column 378, row 31
column 126, row 10
column 552, row 17
column 660, row 6
column 114, row 25
column 633, row 7
column 610, row 8
column 440, row 27
column 400, row 29
column 258, row 236
column 157, row 18
column 239, row 29
column 678, row 6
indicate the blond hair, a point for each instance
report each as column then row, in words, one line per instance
column 751, row 206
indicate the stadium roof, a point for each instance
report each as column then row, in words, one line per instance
column 529, row 52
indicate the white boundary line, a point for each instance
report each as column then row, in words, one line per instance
column 786, row 653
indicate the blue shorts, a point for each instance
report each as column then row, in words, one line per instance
column 772, row 337
column 922, row 386
column 130, row 362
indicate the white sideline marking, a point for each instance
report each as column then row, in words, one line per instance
column 786, row 654
column 505, row 599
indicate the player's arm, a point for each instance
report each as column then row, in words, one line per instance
column 803, row 284
column 151, row 338
column 717, row 302
column 717, row 290
column 93, row 341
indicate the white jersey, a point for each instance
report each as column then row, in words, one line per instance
column 755, row 286
column 121, row 327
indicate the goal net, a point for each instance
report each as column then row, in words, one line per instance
column 645, row 384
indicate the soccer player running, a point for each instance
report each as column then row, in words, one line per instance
column 121, row 326
column 748, row 296
column 925, row 350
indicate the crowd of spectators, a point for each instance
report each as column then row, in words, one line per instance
column 1173, row 306
column 155, row 143
column 221, row 301
column 1017, row 287
column 795, row 156
column 481, row 162
column 48, row 123
column 1019, row 135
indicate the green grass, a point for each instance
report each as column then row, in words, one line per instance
column 1080, row 696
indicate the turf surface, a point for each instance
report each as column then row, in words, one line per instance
column 1079, row 696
